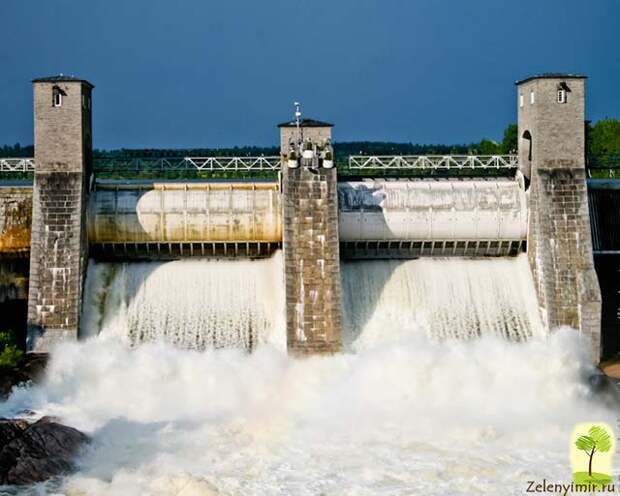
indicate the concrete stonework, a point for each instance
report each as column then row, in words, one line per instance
column 559, row 237
column 186, row 212
column 311, row 260
column 430, row 210
column 59, row 243
column 15, row 220
column 15, row 226
column 314, row 131
column 13, row 279
column 557, row 129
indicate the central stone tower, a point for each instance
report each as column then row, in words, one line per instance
column 311, row 243
column 63, row 156
column 311, row 130
column 552, row 152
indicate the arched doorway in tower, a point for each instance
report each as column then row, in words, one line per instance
column 525, row 155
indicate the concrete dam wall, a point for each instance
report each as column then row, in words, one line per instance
column 411, row 218
column 439, row 209
column 251, row 213
column 15, row 232
column 426, row 210
column 246, row 215
column 15, row 220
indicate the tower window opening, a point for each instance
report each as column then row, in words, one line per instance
column 57, row 94
column 532, row 98
column 562, row 96
column 520, row 100
column 527, row 136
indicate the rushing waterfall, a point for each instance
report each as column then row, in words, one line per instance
column 444, row 298
column 193, row 304
column 408, row 409
column 200, row 304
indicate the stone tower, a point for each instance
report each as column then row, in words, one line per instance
column 552, row 158
column 315, row 131
column 551, row 121
column 311, row 246
column 63, row 156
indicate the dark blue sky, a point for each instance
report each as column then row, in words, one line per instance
column 221, row 73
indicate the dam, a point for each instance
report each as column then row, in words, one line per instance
column 328, row 252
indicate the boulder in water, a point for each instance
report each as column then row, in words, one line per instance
column 36, row 452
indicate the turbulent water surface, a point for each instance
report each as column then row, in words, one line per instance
column 446, row 299
column 407, row 410
column 190, row 304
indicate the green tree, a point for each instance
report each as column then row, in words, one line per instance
column 510, row 143
column 488, row 147
column 604, row 138
column 598, row 439
column 10, row 354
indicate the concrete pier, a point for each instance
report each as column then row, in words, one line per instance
column 63, row 150
column 552, row 156
column 311, row 258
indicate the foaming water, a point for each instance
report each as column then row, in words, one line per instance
column 413, row 417
column 194, row 304
column 444, row 298
column 415, row 406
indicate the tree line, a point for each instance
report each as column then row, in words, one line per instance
column 603, row 144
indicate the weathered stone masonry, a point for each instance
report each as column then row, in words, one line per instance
column 59, row 244
column 317, row 132
column 562, row 255
column 312, row 261
column 552, row 154
column 15, row 220
column 15, row 224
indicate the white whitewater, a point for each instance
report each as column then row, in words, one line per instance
column 407, row 411
column 200, row 304
column 444, row 298
column 193, row 304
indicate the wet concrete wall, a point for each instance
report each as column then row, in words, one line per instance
column 312, row 259
column 432, row 210
column 15, row 227
column 186, row 213
column 15, row 219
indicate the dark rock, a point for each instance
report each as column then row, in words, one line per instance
column 36, row 452
column 11, row 429
column 31, row 368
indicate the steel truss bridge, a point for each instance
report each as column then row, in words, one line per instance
column 607, row 167
column 196, row 164
column 262, row 164
column 16, row 165
column 433, row 162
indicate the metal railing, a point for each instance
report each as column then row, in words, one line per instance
column 433, row 162
column 16, row 164
column 167, row 164
column 251, row 164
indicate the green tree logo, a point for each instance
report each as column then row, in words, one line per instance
column 598, row 440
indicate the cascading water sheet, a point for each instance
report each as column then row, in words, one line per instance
column 404, row 414
column 193, row 304
column 459, row 299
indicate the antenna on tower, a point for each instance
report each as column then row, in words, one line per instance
column 298, row 121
